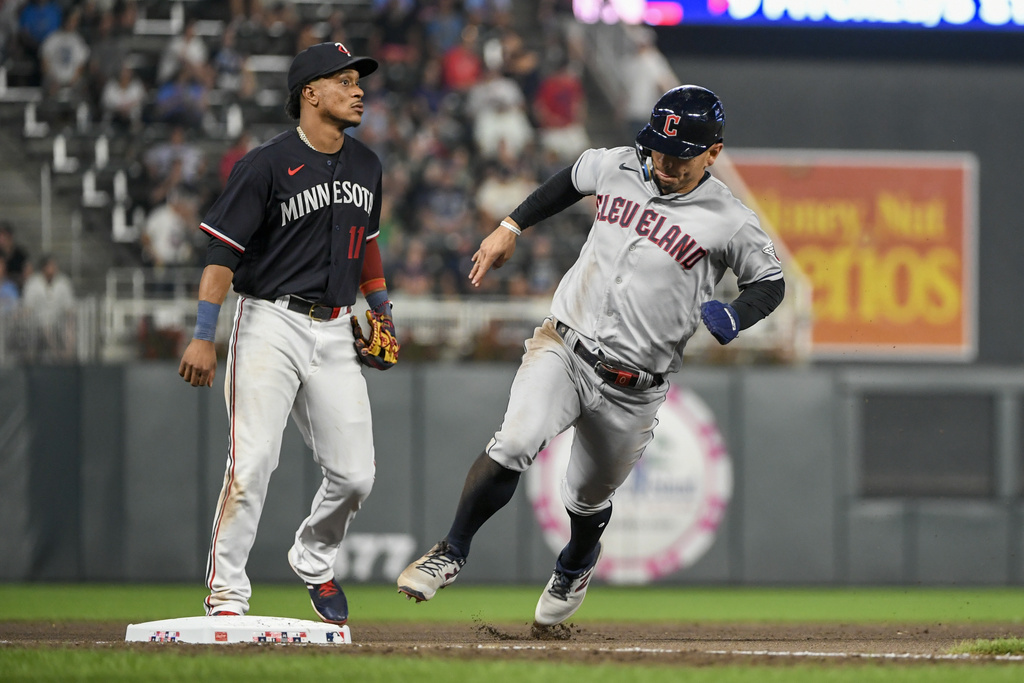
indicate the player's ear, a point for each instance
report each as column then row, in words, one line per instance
column 310, row 94
column 713, row 152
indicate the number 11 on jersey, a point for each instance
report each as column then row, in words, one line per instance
column 355, row 240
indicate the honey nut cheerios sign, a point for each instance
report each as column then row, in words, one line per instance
column 667, row 511
column 887, row 240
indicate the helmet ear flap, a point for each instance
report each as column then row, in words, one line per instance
column 643, row 155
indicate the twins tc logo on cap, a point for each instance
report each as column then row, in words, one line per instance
column 324, row 59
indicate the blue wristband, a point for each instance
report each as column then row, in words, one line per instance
column 206, row 321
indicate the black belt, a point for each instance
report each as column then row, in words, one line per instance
column 314, row 310
column 619, row 376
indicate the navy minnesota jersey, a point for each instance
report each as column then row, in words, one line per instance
column 296, row 221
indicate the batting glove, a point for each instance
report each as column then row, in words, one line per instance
column 721, row 320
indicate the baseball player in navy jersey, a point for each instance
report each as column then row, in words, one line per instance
column 295, row 232
column 664, row 234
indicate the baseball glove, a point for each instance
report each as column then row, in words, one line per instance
column 380, row 351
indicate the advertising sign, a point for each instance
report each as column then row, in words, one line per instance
column 960, row 15
column 887, row 240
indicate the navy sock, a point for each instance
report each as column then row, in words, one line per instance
column 585, row 533
column 488, row 488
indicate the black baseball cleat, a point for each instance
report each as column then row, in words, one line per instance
column 329, row 602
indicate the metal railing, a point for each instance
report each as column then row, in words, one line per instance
column 34, row 337
column 150, row 314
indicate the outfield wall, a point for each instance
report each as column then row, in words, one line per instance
column 875, row 475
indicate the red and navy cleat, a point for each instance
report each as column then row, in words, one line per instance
column 329, row 602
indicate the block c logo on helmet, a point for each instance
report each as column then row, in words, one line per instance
column 670, row 128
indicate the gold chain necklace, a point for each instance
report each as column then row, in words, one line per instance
column 302, row 136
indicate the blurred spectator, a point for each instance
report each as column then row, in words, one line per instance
column 280, row 25
column 173, row 163
column 396, row 40
column 90, row 17
column 413, row 275
column 543, row 272
column 231, row 155
column 496, row 195
column 109, row 53
column 186, row 52
column 393, row 37
column 445, row 200
column 462, row 66
column 246, row 22
column 9, row 294
column 443, row 27
column 501, row 127
column 19, row 267
column 64, row 57
column 126, row 17
column 337, row 33
column 48, row 292
column 171, row 233
column 49, row 298
column 38, row 19
column 182, row 101
column 650, row 76
column 122, row 100
column 520, row 63
column 309, row 35
column 488, row 11
column 231, row 67
column 560, row 112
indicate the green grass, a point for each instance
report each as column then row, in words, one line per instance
column 999, row 646
column 146, row 602
column 102, row 667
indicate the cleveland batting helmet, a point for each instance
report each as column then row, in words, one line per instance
column 684, row 123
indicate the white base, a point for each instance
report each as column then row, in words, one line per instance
column 247, row 629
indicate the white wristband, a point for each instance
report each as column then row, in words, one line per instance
column 506, row 224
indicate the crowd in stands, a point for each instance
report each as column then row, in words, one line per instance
column 468, row 113
column 38, row 296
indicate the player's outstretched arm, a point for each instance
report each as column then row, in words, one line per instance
column 494, row 251
column 199, row 362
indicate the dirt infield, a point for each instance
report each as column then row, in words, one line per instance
column 651, row 643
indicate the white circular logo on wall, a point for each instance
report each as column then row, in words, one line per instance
column 667, row 510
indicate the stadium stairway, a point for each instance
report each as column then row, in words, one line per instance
column 85, row 258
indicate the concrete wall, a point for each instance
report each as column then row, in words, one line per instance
column 111, row 473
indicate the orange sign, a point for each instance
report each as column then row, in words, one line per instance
column 887, row 241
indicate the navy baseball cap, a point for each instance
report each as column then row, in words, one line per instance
column 323, row 59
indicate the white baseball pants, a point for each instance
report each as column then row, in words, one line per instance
column 283, row 363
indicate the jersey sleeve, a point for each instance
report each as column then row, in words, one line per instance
column 587, row 170
column 240, row 209
column 751, row 254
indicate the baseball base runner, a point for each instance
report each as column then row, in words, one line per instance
column 664, row 234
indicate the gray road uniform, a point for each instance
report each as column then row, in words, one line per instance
column 621, row 318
